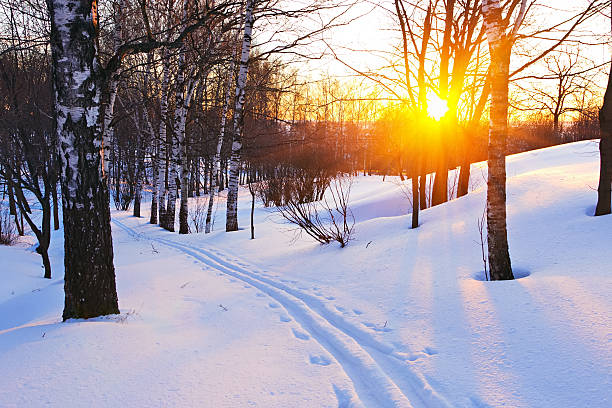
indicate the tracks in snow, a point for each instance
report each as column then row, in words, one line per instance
column 381, row 376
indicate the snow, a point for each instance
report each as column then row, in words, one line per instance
column 398, row 318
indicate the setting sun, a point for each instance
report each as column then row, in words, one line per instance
column 436, row 107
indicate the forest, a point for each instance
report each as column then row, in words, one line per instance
column 270, row 135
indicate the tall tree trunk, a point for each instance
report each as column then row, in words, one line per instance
column 180, row 119
column 605, row 152
column 440, row 187
column 113, row 82
column 89, row 281
column 415, row 198
column 499, row 49
column 154, row 140
column 154, row 182
column 231, row 223
column 184, row 159
column 216, row 164
column 165, row 146
column 422, row 102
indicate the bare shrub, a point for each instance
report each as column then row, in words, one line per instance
column 197, row 215
column 327, row 220
column 305, row 187
column 301, row 174
column 8, row 233
column 123, row 196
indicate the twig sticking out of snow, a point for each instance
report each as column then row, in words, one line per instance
column 481, row 226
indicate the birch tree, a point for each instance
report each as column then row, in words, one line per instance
column 216, row 164
column 81, row 86
column 190, row 87
column 163, row 141
column 231, row 223
column 500, row 39
column 78, row 82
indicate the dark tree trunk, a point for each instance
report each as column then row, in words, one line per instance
column 197, row 185
column 11, row 194
column 138, row 175
column 464, row 165
column 89, row 286
column 45, row 237
column 56, row 225
column 423, row 191
column 464, row 178
column 439, row 194
column 155, row 185
column 43, row 234
column 605, row 152
column 46, row 264
column 137, row 204
column 415, row 200
column 416, row 169
column 252, row 191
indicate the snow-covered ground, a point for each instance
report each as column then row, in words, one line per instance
column 398, row 318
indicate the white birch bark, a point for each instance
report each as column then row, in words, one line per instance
column 500, row 48
column 192, row 84
column 231, row 223
column 112, row 87
column 163, row 140
column 78, row 82
column 154, row 141
column 179, row 114
column 216, row 164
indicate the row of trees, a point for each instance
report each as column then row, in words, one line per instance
column 172, row 98
column 147, row 61
column 444, row 52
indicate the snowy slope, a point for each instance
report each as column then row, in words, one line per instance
column 395, row 319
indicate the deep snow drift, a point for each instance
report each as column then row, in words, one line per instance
column 397, row 318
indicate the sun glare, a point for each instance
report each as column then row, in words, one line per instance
column 436, row 107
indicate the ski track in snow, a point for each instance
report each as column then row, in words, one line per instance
column 382, row 377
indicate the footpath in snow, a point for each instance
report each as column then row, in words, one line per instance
column 399, row 318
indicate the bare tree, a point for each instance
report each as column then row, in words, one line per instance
column 500, row 48
column 605, row 151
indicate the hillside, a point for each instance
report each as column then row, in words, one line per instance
column 398, row 318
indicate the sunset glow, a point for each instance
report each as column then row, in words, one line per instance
column 436, row 107
column 376, row 203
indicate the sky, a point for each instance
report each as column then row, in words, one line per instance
column 373, row 31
